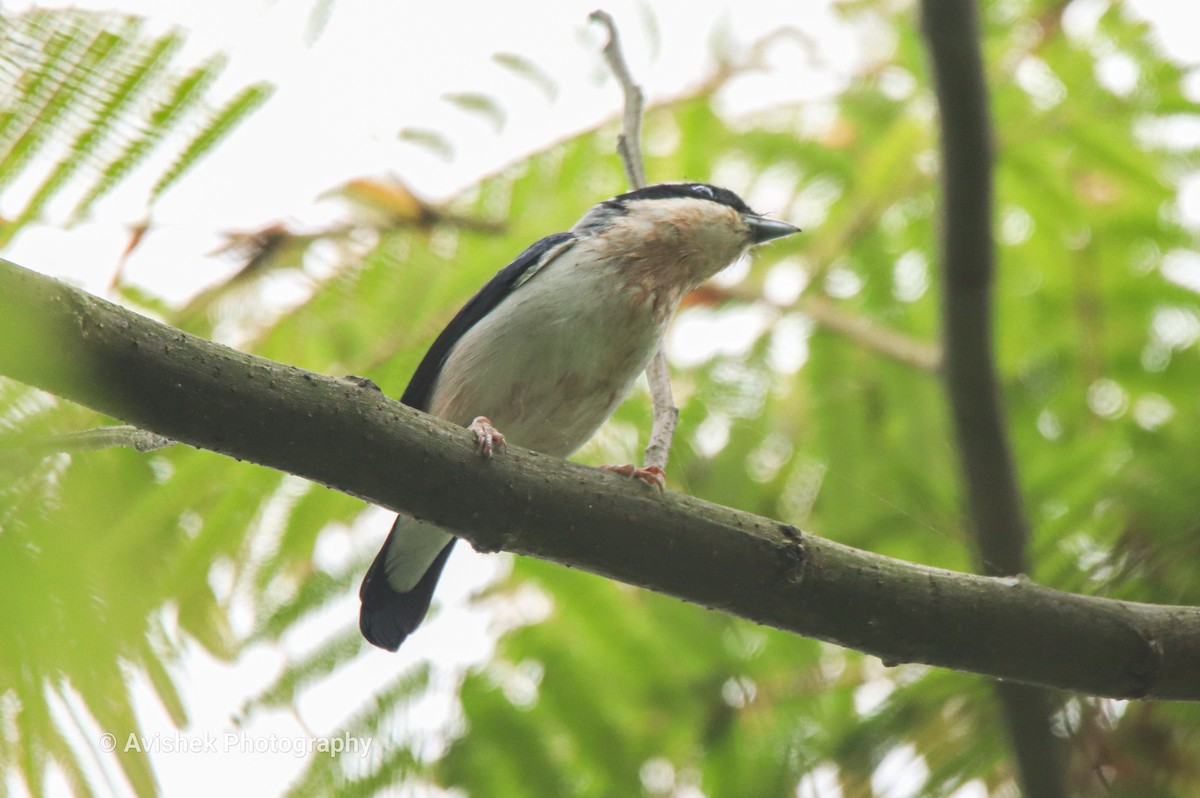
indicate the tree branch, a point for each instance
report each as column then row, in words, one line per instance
column 951, row 30
column 358, row 441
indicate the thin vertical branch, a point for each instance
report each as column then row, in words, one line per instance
column 629, row 141
column 629, row 147
column 666, row 414
column 951, row 31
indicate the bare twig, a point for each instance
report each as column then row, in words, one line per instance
column 666, row 414
column 629, row 147
column 87, row 440
column 890, row 343
column 629, row 141
column 861, row 330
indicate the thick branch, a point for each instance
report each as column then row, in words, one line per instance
column 356, row 440
column 951, row 31
column 968, row 264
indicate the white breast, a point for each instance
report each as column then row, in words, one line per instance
column 552, row 362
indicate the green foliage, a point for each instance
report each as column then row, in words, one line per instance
column 85, row 98
column 93, row 596
column 217, row 127
column 89, row 595
column 619, row 691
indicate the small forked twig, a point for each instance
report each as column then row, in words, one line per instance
column 87, row 440
column 629, row 147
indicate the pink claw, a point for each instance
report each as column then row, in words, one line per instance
column 653, row 476
column 487, row 437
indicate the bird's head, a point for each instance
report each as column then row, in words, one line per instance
column 678, row 234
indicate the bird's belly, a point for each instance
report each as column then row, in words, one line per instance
column 547, row 377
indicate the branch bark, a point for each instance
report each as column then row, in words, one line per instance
column 358, row 441
column 951, row 31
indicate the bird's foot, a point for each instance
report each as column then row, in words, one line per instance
column 487, row 437
column 653, row 476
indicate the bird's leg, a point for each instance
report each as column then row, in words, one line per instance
column 653, row 476
column 487, row 437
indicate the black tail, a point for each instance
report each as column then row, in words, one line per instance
column 388, row 616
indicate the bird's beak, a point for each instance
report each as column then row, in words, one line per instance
column 767, row 229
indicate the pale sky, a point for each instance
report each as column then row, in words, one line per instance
column 380, row 66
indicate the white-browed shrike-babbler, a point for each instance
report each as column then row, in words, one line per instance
column 550, row 346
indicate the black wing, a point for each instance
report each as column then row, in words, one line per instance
column 423, row 379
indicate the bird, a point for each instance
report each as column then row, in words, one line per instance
column 544, row 353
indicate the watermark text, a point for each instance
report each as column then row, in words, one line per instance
column 235, row 743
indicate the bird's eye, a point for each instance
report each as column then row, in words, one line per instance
column 704, row 190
